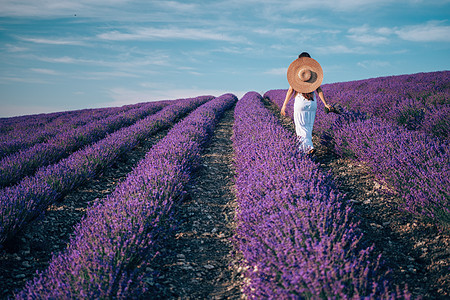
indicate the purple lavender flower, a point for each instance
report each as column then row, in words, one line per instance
column 293, row 229
column 105, row 258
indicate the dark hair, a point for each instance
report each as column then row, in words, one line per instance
column 304, row 54
column 309, row 96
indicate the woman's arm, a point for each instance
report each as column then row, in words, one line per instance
column 286, row 100
column 322, row 97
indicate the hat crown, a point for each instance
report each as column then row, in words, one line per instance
column 304, row 74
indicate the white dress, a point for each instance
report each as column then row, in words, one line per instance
column 304, row 115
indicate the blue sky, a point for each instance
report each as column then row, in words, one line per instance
column 62, row 54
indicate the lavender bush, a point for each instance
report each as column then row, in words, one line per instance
column 414, row 164
column 437, row 122
column 404, row 100
column 26, row 200
column 296, row 235
column 118, row 237
column 16, row 166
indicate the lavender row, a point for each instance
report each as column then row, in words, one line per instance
column 22, row 163
column 296, row 235
column 113, row 244
column 26, row 200
column 11, row 123
column 20, row 136
column 418, row 101
column 413, row 163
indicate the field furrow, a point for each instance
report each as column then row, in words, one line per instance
column 31, row 197
column 199, row 262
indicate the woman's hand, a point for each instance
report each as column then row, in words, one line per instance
column 329, row 107
column 286, row 100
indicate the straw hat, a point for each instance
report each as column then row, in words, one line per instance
column 305, row 75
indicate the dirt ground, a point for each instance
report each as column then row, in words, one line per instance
column 201, row 263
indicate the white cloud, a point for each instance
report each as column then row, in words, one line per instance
column 6, row 79
column 334, row 5
column 278, row 32
column 373, row 64
column 51, row 41
column 366, row 35
column 52, row 8
column 14, row 49
column 104, row 75
column 123, row 96
column 44, row 71
column 433, row 31
column 368, row 39
column 338, row 49
column 63, row 59
column 178, row 6
column 156, row 59
column 384, row 31
column 139, row 34
column 276, row 71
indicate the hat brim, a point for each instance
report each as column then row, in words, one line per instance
column 297, row 83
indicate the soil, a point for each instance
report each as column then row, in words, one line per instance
column 200, row 262
column 415, row 250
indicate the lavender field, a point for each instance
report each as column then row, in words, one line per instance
column 210, row 198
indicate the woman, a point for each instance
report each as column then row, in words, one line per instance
column 305, row 76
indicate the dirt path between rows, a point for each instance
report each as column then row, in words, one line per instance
column 32, row 248
column 415, row 250
column 201, row 263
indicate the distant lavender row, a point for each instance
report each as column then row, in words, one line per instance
column 108, row 255
column 32, row 130
column 418, row 101
column 22, row 163
column 414, row 163
column 296, row 235
column 26, row 200
column 11, row 123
